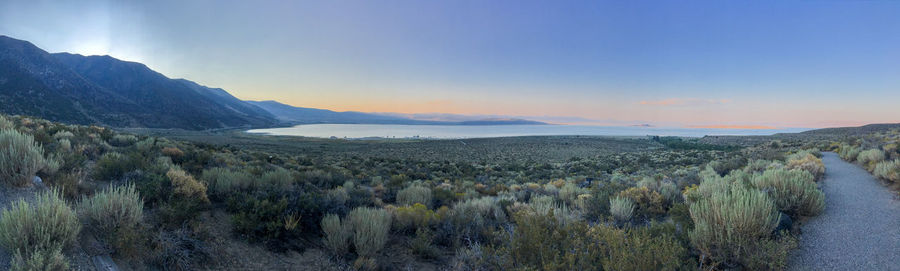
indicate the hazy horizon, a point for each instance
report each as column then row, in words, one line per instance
column 721, row 64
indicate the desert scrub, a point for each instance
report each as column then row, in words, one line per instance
column 223, row 181
column 188, row 197
column 410, row 218
column 122, row 140
column 729, row 224
column 20, row 158
column 414, row 194
column 278, row 179
column 5, row 123
column 869, row 158
column 806, row 160
column 848, row 152
column 39, row 260
column 37, row 233
column 621, row 208
column 475, row 219
column 114, row 213
column 794, row 191
column 370, row 230
column 648, row 202
column 337, row 234
column 888, row 170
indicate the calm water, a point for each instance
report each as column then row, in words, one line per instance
column 458, row 131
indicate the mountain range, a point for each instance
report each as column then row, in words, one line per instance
column 102, row 90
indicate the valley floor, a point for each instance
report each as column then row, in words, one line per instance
column 860, row 227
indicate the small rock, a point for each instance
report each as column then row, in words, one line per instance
column 38, row 182
column 784, row 222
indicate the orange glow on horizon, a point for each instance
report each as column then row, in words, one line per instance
column 756, row 127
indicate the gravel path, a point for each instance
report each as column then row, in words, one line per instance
column 860, row 227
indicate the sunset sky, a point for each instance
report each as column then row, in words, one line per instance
column 684, row 63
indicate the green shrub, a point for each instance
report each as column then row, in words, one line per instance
column 848, row 152
column 223, row 181
column 5, row 124
column 370, row 229
column 637, row 249
column 729, row 224
column 669, row 191
column 869, row 158
column 414, row 194
column 621, row 208
column 187, row 199
column 794, row 191
column 474, row 219
column 808, row 162
column 114, row 165
column 337, row 234
column 888, row 170
column 410, row 218
column 648, row 202
column 20, row 158
column 278, row 179
column 37, row 233
column 114, row 212
column 263, row 219
column 39, row 260
column 569, row 193
column 123, row 140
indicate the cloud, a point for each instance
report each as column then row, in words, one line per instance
column 684, row 102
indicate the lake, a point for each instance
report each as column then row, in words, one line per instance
column 356, row 131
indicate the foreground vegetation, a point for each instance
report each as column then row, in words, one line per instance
column 878, row 152
column 549, row 203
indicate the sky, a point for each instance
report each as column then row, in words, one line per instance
column 675, row 63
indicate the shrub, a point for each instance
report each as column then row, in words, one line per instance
column 278, row 179
column 5, row 124
column 621, row 208
column 113, row 212
column 569, row 193
column 475, row 219
column 794, row 191
column 113, row 166
column 637, row 249
column 20, row 158
column 669, row 191
column 173, row 152
column 648, row 202
column 414, row 194
column 123, row 140
column 370, row 229
column 39, row 260
column 848, row 152
column 36, row 234
column 410, row 218
column 729, row 224
column 337, row 234
column 869, row 158
column 188, row 196
column 266, row 219
column 888, row 170
column 223, row 181
column 808, row 162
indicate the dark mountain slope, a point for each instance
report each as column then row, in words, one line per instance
column 104, row 90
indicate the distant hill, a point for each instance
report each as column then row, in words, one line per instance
column 104, row 90
column 302, row 115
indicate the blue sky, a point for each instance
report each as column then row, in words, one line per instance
column 771, row 63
